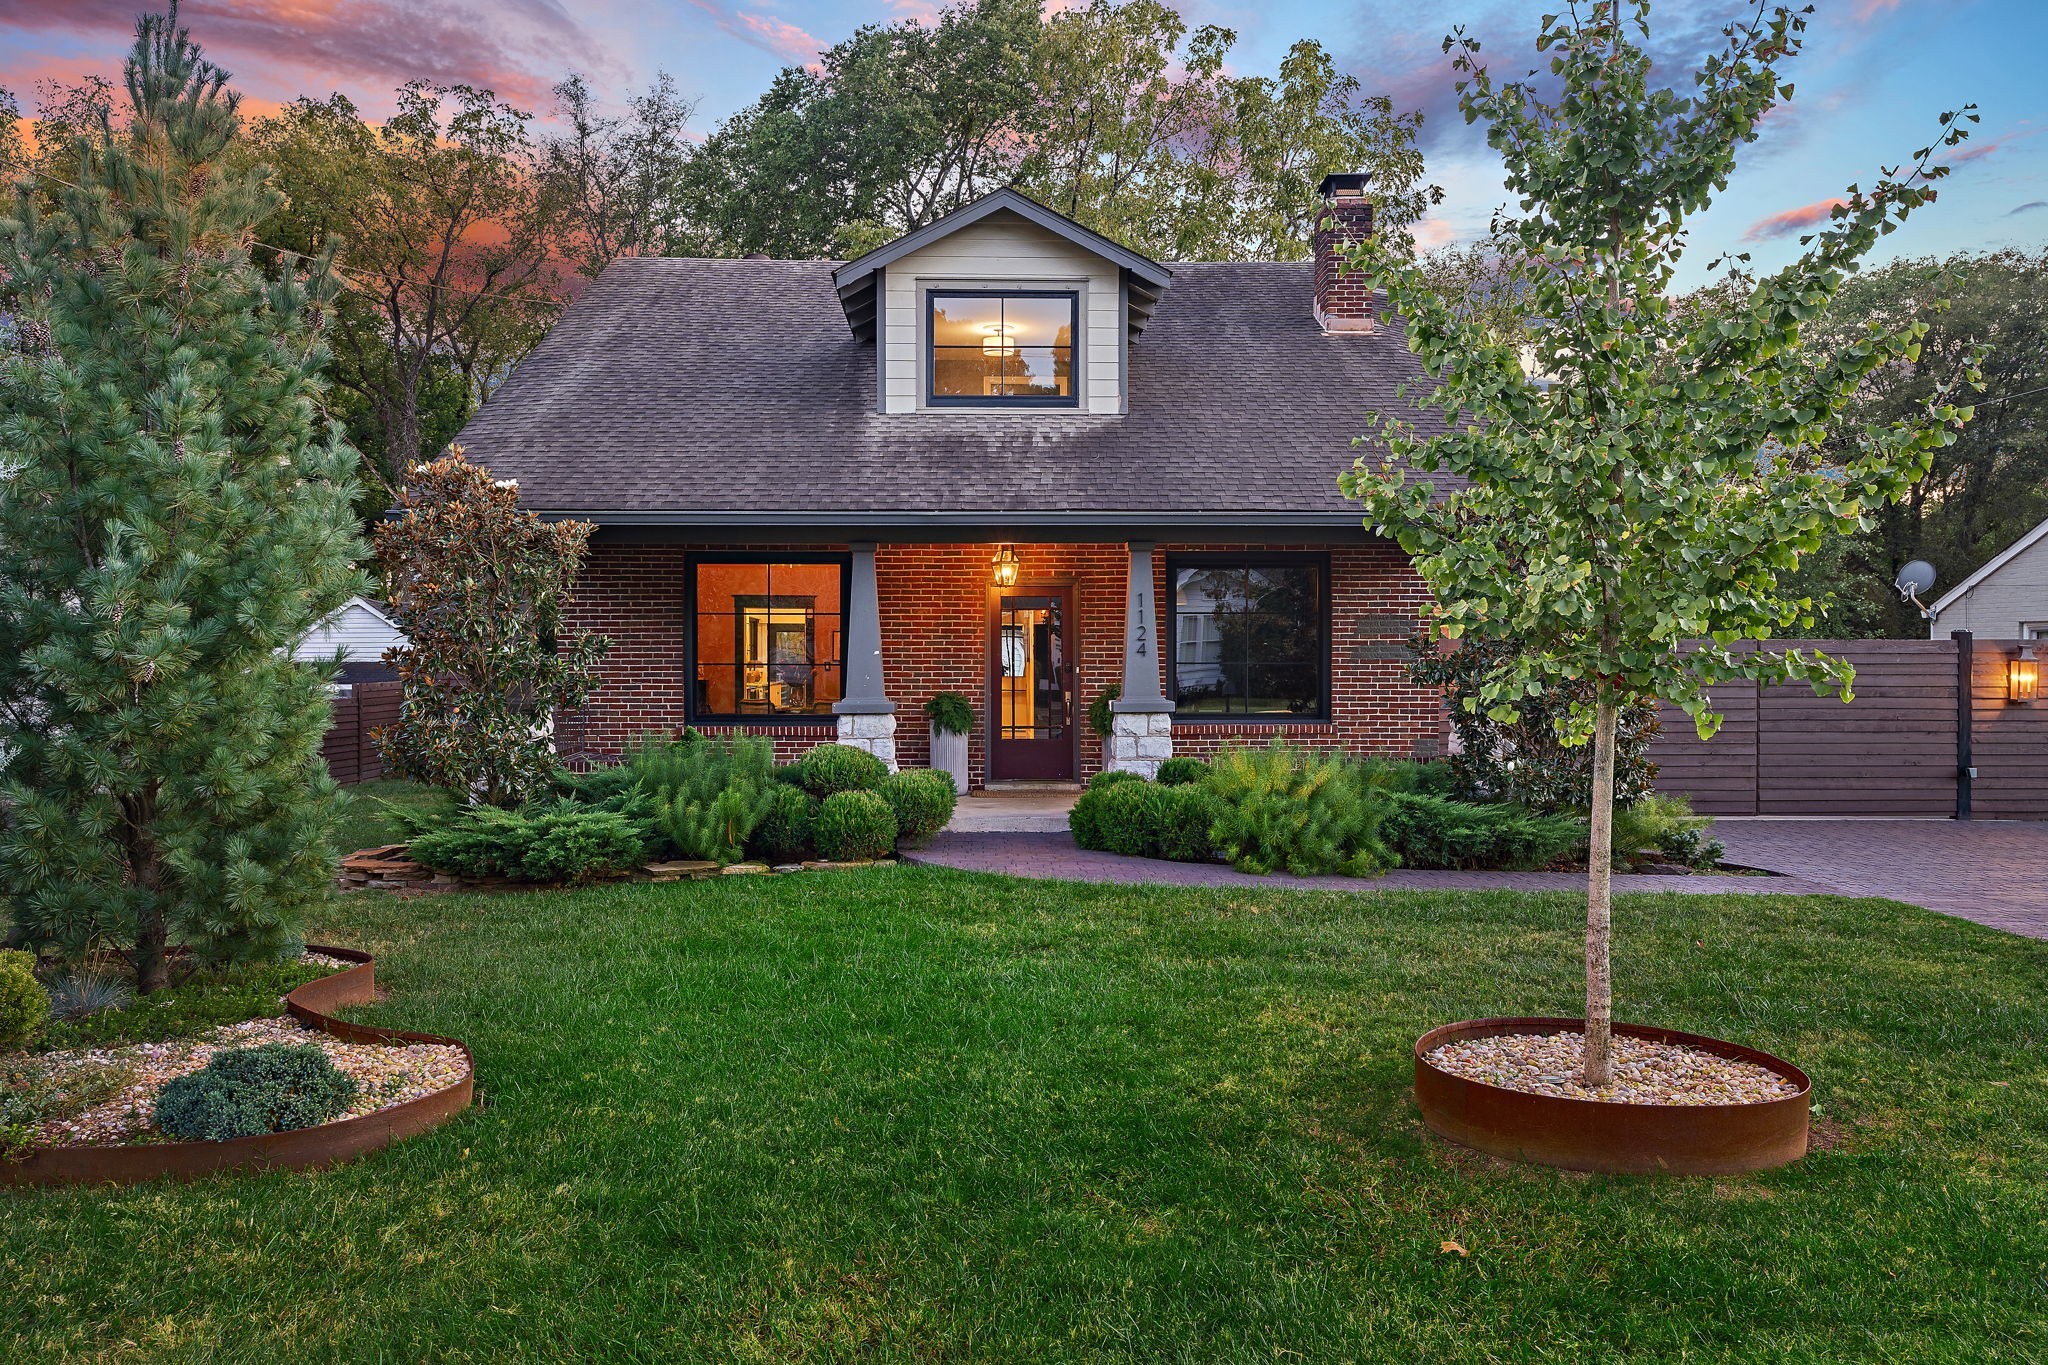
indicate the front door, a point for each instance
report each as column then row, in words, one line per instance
column 1032, row 674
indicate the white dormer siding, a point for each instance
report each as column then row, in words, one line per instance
column 358, row 630
column 1002, row 251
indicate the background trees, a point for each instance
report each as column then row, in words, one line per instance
column 175, row 516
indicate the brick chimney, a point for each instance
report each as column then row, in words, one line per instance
column 1342, row 303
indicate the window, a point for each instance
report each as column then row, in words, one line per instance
column 997, row 349
column 1251, row 637
column 2034, row 630
column 766, row 636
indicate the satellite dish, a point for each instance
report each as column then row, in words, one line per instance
column 1916, row 578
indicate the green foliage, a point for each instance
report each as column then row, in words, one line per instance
column 923, row 801
column 24, row 1004
column 854, row 825
column 708, row 794
column 1438, row 832
column 478, row 587
column 1665, row 827
column 1116, row 113
column 1099, row 714
column 832, row 768
column 190, row 1005
column 950, row 713
column 1142, row 819
column 1280, row 807
column 247, row 1091
column 1182, row 769
column 561, row 841
column 787, row 829
column 1109, row 777
column 1522, row 758
column 177, row 516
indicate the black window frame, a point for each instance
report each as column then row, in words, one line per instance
column 934, row 399
column 1200, row 559
column 692, row 713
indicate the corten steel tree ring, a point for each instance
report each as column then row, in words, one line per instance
column 1601, row 1135
column 305, row 1148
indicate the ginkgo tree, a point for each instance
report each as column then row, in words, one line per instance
column 1631, row 481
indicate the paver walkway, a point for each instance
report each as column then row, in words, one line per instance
column 1046, row 854
column 1992, row 871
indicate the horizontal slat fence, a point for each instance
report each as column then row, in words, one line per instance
column 1890, row 752
column 351, row 754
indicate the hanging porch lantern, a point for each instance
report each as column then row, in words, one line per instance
column 1006, row 567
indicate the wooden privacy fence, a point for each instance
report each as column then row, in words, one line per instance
column 351, row 754
column 1927, row 712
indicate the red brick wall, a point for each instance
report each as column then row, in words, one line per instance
column 935, row 625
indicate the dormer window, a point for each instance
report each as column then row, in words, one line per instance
column 1001, row 348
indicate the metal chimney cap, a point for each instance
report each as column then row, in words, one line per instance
column 1344, row 185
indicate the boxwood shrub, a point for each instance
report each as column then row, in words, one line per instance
column 244, row 1091
column 24, row 1004
column 787, row 827
column 922, row 800
column 833, row 768
column 853, row 825
column 1142, row 819
column 1181, row 770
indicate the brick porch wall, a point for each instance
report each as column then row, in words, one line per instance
column 935, row 602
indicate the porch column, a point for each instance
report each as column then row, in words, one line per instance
column 867, row 718
column 1141, row 720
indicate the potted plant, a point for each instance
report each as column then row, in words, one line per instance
column 1630, row 483
column 951, row 717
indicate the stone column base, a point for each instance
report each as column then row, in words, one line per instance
column 874, row 733
column 1139, row 741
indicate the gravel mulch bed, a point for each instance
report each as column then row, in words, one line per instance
column 388, row 1074
column 1644, row 1072
column 339, row 964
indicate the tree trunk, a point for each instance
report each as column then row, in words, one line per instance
column 1599, row 901
column 146, row 873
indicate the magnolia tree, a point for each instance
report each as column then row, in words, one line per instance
column 1633, row 481
column 478, row 587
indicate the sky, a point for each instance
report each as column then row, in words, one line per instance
column 1874, row 77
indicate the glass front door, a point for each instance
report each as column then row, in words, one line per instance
column 1032, row 673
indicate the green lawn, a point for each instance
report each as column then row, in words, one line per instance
column 907, row 1114
column 366, row 821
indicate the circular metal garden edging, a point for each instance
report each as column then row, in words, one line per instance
column 301, row 1149
column 1603, row 1135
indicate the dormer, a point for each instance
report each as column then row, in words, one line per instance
column 1002, row 306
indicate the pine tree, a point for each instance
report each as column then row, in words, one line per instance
column 174, row 516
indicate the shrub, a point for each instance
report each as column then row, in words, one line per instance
column 950, row 712
column 574, row 844
column 1438, row 832
column 1141, row 819
column 1177, row 772
column 24, row 1004
column 1099, row 712
column 922, row 800
column 1280, row 807
column 833, row 768
column 481, row 841
column 708, row 795
column 1523, row 761
column 244, row 1091
column 785, row 833
column 1110, row 778
column 1664, row 826
column 853, row 825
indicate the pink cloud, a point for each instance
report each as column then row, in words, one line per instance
column 379, row 43
column 1866, row 10
column 1969, row 152
column 765, row 31
column 1792, row 220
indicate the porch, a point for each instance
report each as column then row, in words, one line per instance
column 1206, row 640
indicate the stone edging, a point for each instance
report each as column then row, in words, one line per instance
column 304, row 1148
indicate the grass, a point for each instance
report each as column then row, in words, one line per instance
column 366, row 822
column 194, row 1004
column 911, row 1114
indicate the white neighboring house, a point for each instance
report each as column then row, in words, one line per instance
column 359, row 632
column 2007, row 599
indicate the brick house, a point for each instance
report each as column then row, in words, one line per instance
column 1002, row 456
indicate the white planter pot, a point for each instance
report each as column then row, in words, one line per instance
column 949, row 755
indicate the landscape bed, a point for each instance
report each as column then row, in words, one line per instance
column 922, row 1114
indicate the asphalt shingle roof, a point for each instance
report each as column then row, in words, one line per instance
column 698, row 386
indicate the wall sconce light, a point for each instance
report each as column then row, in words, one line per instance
column 2022, row 676
column 1006, row 567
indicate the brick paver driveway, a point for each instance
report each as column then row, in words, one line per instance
column 1992, row 871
